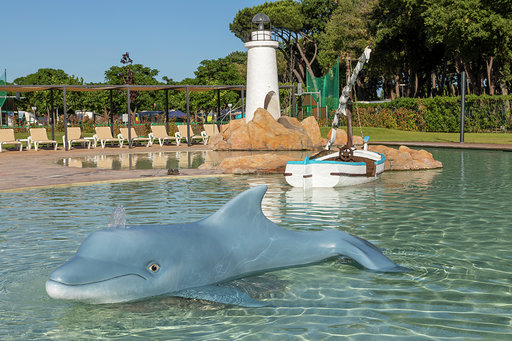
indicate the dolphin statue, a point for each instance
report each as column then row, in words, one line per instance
column 194, row 260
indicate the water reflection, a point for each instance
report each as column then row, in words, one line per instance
column 157, row 160
column 154, row 160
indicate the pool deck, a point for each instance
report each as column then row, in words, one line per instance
column 30, row 169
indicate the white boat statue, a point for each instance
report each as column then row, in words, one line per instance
column 349, row 166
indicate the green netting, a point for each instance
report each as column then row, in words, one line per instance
column 3, row 94
column 329, row 88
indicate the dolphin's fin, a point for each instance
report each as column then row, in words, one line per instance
column 221, row 294
column 244, row 208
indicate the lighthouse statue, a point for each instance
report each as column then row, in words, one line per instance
column 262, row 85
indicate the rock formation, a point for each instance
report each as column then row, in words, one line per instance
column 310, row 125
column 405, row 158
column 259, row 163
column 342, row 138
column 263, row 133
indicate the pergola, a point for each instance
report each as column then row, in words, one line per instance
column 128, row 88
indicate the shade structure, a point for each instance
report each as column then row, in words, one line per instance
column 177, row 114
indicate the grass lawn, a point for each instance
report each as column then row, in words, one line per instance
column 392, row 135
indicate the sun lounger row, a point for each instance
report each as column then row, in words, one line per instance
column 103, row 135
column 37, row 137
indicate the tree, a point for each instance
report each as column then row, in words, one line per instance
column 475, row 33
column 346, row 35
column 135, row 74
column 230, row 70
column 42, row 99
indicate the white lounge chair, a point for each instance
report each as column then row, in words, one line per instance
column 135, row 138
column 38, row 136
column 7, row 137
column 160, row 133
column 211, row 130
column 75, row 136
column 104, row 135
column 182, row 134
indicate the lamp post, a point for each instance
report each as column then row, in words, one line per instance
column 229, row 106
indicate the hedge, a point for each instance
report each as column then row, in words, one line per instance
column 439, row 114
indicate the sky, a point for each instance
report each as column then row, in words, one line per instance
column 85, row 38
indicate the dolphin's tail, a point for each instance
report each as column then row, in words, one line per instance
column 366, row 254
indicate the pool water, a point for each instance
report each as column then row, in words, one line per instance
column 451, row 226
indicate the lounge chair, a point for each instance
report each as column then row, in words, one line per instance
column 182, row 134
column 160, row 133
column 135, row 138
column 38, row 136
column 104, row 135
column 211, row 130
column 75, row 136
column 7, row 137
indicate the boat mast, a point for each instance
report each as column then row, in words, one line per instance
column 345, row 95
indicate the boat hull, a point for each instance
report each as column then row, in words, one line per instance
column 324, row 173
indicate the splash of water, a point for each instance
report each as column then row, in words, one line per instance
column 118, row 218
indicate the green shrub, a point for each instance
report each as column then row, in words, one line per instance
column 438, row 114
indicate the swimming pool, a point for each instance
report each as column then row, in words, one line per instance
column 451, row 226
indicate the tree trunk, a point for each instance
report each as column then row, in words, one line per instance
column 490, row 83
column 416, row 83
column 397, row 86
column 433, row 85
column 307, row 62
column 443, row 79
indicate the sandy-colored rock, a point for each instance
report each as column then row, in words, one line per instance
column 263, row 133
column 342, row 138
column 310, row 125
column 259, row 163
column 357, row 140
column 405, row 158
column 422, row 158
column 291, row 123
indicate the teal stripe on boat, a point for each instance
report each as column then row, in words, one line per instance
column 308, row 161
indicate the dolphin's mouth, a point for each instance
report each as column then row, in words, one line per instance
column 59, row 281
column 114, row 289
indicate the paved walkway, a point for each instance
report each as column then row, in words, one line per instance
column 31, row 169
column 28, row 168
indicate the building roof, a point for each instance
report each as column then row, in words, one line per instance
column 32, row 88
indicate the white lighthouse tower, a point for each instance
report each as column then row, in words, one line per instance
column 262, row 85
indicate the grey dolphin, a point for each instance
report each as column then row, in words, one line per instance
column 193, row 259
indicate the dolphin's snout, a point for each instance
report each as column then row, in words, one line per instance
column 80, row 271
column 93, row 281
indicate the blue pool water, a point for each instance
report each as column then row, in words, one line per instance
column 451, row 226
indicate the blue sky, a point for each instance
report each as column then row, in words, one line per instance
column 85, row 38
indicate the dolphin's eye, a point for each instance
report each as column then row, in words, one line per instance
column 154, row 267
